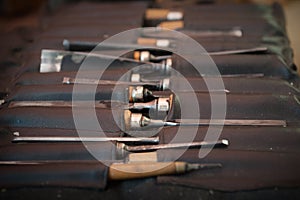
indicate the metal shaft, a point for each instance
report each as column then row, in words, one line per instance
column 206, row 122
column 239, row 51
column 151, row 140
column 69, row 80
column 233, row 33
column 161, row 33
column 205, row 144
column 195, row 166
column 85, row 104
column 88, row 46
column 228, row 122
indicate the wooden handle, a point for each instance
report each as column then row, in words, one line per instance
column 145, row 169
column 152, row 14
column 146, row 41
column 172, row 25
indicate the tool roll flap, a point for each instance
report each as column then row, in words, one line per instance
column 63, row 93
column 258, row 106
column 241, row 165
column 269, row 65
column 73, row 174
column 241, row 84
column 59, row 117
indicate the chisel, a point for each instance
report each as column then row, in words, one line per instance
column 145, row 56
column 159, row 104
column 122, row 148
column 137, row 121
column 149, row 169
column 202, row 144
column 87, row 173
column 152, row 140
column 154, row 85
column 53, row 61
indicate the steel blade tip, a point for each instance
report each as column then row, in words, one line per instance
column 191, row 167
column 225, row 142
column 66, row 44
column 238, row 33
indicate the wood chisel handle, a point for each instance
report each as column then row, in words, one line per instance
column 142, row 170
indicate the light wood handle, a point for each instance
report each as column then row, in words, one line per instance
column 172, row 25
column 152, row 14
column 146, row 41
column 145, row 169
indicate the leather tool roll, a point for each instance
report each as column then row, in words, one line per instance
column 261, row 159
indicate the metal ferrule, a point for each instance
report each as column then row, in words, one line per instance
column 145, row 56
column 162, row 43
column 136, row 120
column 135, row 78
column 167, row 63
column 145, row 121
column 120, row 150
column 165, row 84
column 147, row 105
column 161, row 85
column 137, row 93
column 160, row 105
column 163, row 104
column 175, row 15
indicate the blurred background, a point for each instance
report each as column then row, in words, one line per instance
column 15, row 14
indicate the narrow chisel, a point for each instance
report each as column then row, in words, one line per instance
column 152, row 140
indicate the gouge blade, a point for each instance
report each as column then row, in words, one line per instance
column 205, row 144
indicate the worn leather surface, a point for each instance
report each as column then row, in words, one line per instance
column 269, row 65
column 261, row 162
column 72, row 174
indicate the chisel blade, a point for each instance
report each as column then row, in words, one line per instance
column 150, row 140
